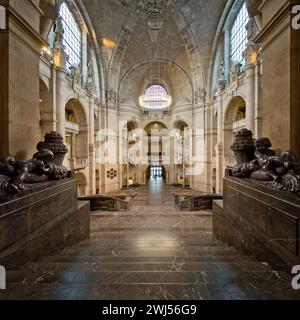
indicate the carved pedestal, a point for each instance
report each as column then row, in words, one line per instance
column 259, row 222
column 40, row 222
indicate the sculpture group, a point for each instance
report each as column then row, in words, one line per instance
column 256, row 161
column 45, row 165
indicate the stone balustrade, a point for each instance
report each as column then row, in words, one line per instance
column 108, row 202
column 188, row 202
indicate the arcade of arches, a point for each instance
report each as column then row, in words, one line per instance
column 148, row 92
column 187, row 70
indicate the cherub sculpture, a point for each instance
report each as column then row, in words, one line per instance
column 19, row 175
column 277, row 170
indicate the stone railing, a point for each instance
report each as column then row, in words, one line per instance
column 77, row 163
column 195, row 203
column 71, row 126
column 113, row 203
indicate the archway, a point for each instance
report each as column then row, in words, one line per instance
column 235, row 120
column 76, row 134
column 156, row 171
column 46, row 110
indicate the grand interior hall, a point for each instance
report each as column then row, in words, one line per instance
column 149, row 149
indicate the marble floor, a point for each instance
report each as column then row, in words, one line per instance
column 151, row 252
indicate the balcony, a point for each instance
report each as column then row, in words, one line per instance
column 78, row 163
column 72, row 127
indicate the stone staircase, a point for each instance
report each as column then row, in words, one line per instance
column 151, row 252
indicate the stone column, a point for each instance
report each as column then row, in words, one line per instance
column 250, row 89
column 92, row 159
column 172, row 178
column 250, row 96
column 183, row 162
column 59, row 58
column 20, row 48
column 102, row 141
column 60, row 101
column 258, row 100
column 220, row 146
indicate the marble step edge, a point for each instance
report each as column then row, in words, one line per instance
column 185, row 249
column 156, row 277
column 167, row 292
column 149, row 213
column 147, row 266
column 141, row 244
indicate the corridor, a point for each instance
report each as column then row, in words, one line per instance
column 151, row 252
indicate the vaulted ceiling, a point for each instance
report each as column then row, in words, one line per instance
column 129, row 32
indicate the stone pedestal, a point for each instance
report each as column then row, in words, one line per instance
column 260, row 222
column 39, row 223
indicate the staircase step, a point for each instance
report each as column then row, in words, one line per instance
column 149, row 277
column 140, row 236
column 225, row 257
column 146, row 267
column 149, row 252
column 146, row 244
column 230, row 291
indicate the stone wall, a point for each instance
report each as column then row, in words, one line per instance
column 41, row 222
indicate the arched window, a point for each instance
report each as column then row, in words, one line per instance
column 72, row 36
column 155, row 99
column 238, row 36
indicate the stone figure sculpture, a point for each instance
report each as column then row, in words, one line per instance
column 256, row 161
column 45, row 165
column 235, row 70
column 221, row 75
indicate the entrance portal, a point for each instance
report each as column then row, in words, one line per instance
column 156, row 172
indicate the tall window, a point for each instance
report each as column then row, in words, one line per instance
column 155, row 99
column 72, row 36
column 239, row 36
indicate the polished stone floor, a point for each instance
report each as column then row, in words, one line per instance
column 151, row 252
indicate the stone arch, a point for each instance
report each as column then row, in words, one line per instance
column 156, row 60
column 79, row 110
column 233, row 107
column 232, row 124
column 179, row 123
column 46, row 109
column 132, row 124
column 161, row 122
column 77, row 133
column 138, row 75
